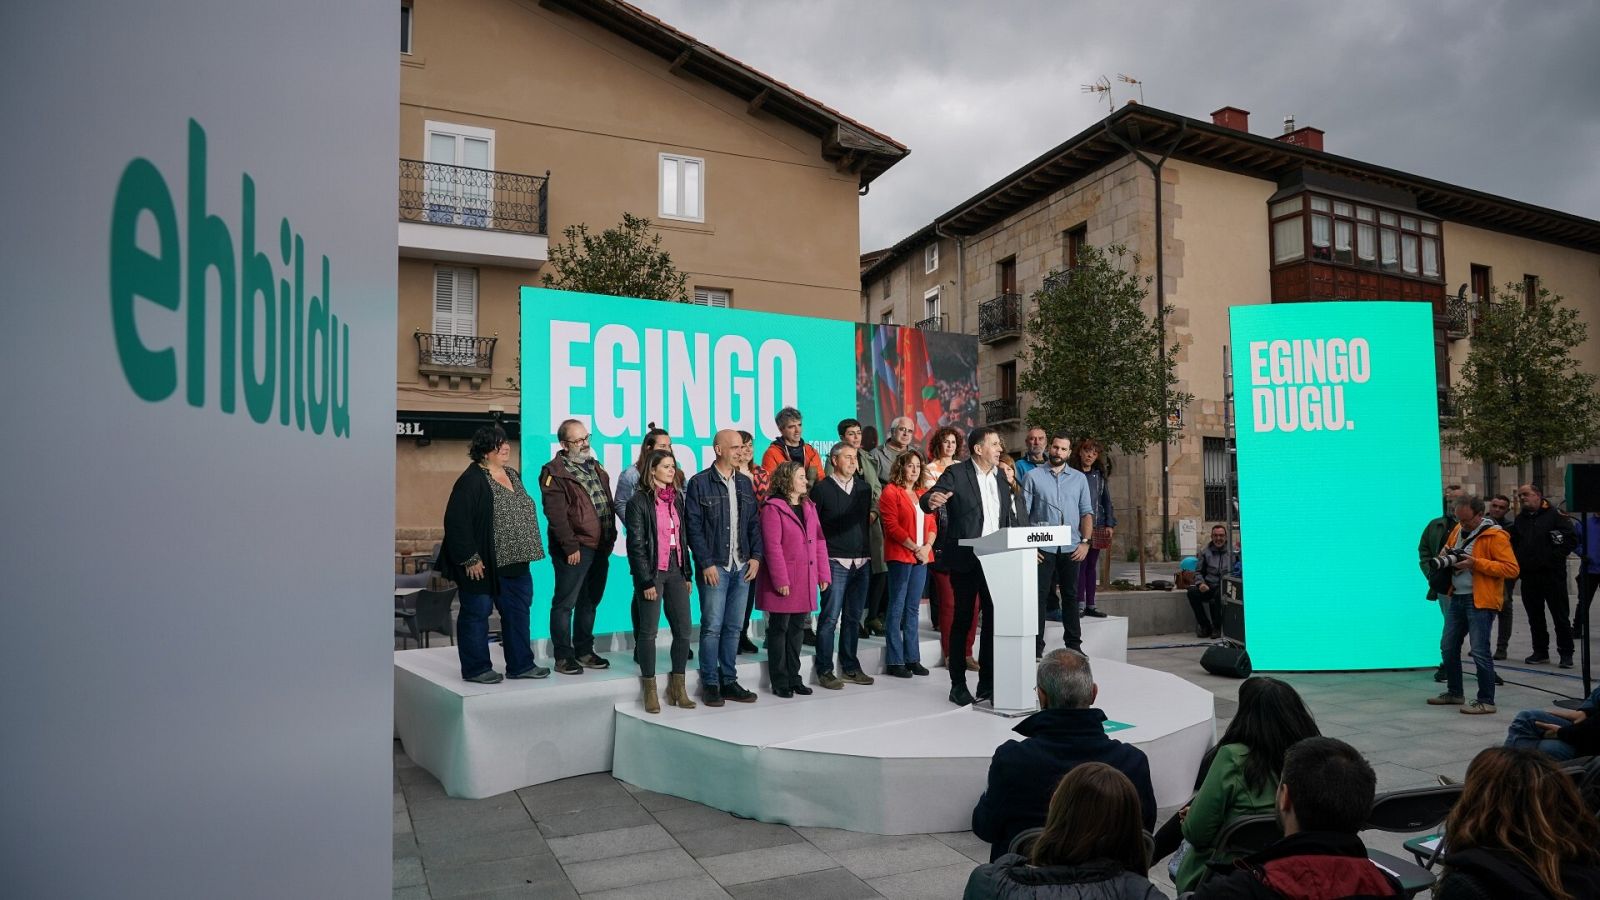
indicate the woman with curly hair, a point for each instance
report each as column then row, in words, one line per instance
column 1519, row 830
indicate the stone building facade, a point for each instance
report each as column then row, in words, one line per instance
column 1220, row 186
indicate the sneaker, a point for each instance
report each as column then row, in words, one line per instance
column 1446, row 781
column 875, row 627
column 1478, row 708
column 1053, row 615
column 535, row 672
column 830, row 681
column 711, row 695
column 568, row 667
column 1500, row 654
column 858, row 678
column 1438, row 675
column 960, row 696
column 747, row 646
column 1202, row 631
column 1538, row 658
column 1447, row 700
column 898, row 672
column 1093, row 613
column 1566, row 662
column 593, row 661
column 984, row 694
column 802, row 690
column 487, row 676
column 917, row 668
column 736, row 692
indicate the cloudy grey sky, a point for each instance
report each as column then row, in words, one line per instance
column 1498, row 95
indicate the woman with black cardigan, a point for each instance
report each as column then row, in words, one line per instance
column 658, row 560
column 491, row 534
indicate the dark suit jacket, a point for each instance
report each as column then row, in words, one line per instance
column 964, row 513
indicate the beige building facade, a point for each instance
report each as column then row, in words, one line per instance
column 1361, row 232
column 519, row 119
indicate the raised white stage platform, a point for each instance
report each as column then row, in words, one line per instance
column 890, row 758
column 482, row 740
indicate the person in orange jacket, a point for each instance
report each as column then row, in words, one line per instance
column 789, row 446
column 1473, row 600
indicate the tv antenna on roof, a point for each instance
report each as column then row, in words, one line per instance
column 1101, row 85
column 1129, row 79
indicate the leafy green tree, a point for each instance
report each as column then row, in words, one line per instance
column 1097, row 364
column 1521, row 395
column 624, row 261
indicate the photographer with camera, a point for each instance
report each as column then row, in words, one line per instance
column 1433, row 537
column 1468, row 575
column 1543, row 537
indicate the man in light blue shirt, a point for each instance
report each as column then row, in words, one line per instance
column 1052, row 494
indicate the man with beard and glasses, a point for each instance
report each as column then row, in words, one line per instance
column 583, row 530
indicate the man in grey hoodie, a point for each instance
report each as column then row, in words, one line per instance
column 1215, row 560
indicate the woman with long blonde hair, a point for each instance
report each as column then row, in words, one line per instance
column 1519, row 830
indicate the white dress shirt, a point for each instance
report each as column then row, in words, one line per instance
column 989, row 489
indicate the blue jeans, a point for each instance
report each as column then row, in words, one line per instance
column 721, row 623
column 472, row 627
column 905, row 601
column 1524, row 733
column 1463, row 620
column 846, row 594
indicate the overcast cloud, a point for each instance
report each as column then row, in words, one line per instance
column 1497, row 96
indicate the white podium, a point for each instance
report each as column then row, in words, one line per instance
column 1011, row 567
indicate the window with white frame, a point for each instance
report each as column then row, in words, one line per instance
column 405, row 28
column 455, row 316
column 887, row 318
column 683, row 188
column 930, row 258
column 458, row 158
column 930, row 304
column 714, row 297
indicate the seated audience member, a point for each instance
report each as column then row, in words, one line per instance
column 1243, row 778
column 1066, row 732
column 1560, row 734
column 1323, row 800
column 1092, row 846
column 1519, row 830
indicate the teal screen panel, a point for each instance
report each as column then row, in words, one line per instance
column 620, row 363
column 1337, row 421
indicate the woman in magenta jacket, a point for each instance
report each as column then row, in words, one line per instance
column 794, row 569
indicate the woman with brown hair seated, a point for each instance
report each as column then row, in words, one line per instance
column 1092, row 846
column 1519, row 830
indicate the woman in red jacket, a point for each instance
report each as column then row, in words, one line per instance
column 907, row 548
column 794, row 569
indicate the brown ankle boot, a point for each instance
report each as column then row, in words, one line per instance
column 676, row 694
column 652, row 700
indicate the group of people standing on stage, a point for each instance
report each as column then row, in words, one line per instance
column 856, row 539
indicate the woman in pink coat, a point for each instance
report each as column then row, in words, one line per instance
column 793, row 570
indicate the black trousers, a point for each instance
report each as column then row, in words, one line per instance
column 578, row 590
column 1502, row 635
column 1587, row 582
column 1547, row 589
column 965, row 586
column 1201, row 601
column 783, row 648
column 877, row 596
column 1060, row 570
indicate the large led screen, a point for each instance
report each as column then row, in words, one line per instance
column 1337, row 418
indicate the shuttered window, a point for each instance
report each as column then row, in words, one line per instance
column 712, row 297
column 455, row 316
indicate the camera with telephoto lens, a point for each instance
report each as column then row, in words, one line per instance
column 1446, row 559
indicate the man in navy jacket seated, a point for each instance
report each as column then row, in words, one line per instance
column 1066, row 731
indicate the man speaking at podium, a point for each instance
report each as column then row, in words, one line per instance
column 976, row 496
column 1058, row 494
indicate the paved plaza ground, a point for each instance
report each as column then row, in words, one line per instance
column 596, row 837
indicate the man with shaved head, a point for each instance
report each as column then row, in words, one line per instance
column 724, row 534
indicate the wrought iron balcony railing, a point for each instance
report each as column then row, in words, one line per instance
column 454, row 354
column 932, row 323
column 439, row 194
column 1004, row 409
column 1456, row 315
column 1000, row 318
column 1058, row 278
column 1447, row 403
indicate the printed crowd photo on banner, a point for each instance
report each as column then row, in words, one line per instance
column 931, row 377
column 620, row 364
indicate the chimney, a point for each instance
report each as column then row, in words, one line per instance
column 1307, row 137
column 1232, row 117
